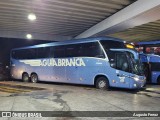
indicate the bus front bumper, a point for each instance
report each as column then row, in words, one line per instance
column 139, row 82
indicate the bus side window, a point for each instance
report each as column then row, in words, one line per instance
column 43, row 52
column 140, row 49
column 97, row 50
column 157, row 51
column 20, row 54
column 93, row 49
column 59, row 52
column 31, row 53
column 148, row 50
column 71, row 50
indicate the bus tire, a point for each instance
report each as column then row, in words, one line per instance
column 25, row 77
column 102, row 83
column 34, row 78
column 158, row 80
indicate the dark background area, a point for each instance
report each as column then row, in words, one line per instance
column 6, row 44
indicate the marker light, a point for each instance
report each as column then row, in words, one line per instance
column 29, row 36
column 32, row 17
column 129, row 46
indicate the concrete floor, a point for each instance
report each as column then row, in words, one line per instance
column 62, row 97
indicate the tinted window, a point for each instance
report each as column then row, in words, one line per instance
column 72, row 50
column 121, row 62
column 24, row 54
column 155, row 66
column 92, row 49
column 58, row 51
column 107, row 44
column 149, row 49
column 43, row 52
column 111, row 55
column 31, row 53
column 152, row 50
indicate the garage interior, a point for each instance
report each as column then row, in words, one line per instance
column 63, row 20
column 59, row 20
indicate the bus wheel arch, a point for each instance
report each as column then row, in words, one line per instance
column 34, row 77
column 158, row 80
column 101, row 82
column 25, row 77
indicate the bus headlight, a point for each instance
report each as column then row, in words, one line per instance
column 136, row 78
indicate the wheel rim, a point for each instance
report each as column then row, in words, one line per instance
column 34, row 78
column 25, row 78
column 102, row 84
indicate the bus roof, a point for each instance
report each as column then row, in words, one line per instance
column 149, row 42
column 73, row 41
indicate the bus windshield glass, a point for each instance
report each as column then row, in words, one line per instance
column 136, row 65
column 149, row 49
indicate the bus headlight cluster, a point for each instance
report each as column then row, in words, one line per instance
column 135, row 85
column 136, row 78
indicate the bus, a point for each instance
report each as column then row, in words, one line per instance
column 150, row 56
column 101, row 61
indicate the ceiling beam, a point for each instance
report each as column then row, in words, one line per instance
column 36, row 36
column 138, row 13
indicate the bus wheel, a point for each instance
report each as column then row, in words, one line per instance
column 34, row 78
column 102, row 83
column 25, row 77
column 158, row 80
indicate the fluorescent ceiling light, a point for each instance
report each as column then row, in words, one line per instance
column 29, row 36
column 32, row 17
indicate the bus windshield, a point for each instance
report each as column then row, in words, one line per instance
column 149, row 49
column 136, row 65
column 125, row 60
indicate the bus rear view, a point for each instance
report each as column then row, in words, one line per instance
column 101, row 61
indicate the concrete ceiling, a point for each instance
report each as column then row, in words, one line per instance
column 139, row 21
column 145, row 32
column 55, row 17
